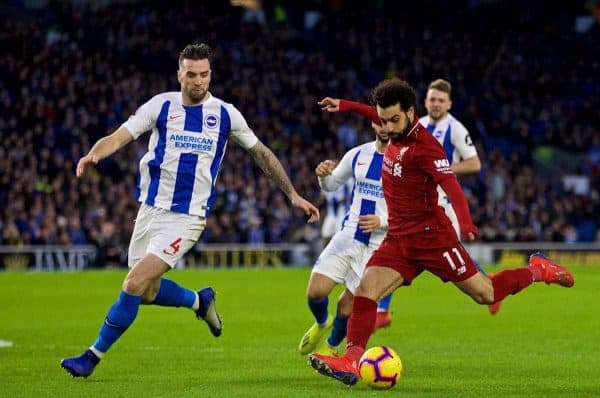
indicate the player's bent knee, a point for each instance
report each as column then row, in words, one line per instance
column 344, row 308
column 316, row 292
column 134, row 285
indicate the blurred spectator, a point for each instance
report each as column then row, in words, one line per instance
column 70, row 75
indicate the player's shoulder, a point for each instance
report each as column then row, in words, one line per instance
column 172, row 96
column 420, row 133
column 424, row 120
column 424, row 139
column 155, row 104
column 455, row 124
column 218, row 103
column 367, row 147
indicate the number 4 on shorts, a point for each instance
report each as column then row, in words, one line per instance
column 175, row 246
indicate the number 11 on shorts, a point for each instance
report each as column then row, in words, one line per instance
column 451, row 262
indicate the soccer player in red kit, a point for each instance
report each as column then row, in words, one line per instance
column 420, row 236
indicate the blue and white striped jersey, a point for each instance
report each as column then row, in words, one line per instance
column 364, row 164
column 185, row 151
column 453, row 136
column 337, row 202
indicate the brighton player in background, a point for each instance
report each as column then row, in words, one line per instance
column 420, row 236
column 190, row 130
column 343, row 260
column 336, row 207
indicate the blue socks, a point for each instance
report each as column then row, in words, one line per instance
column 319, row 309
column 170, row 294
column 384, row 303
column 123, row 312
column 120, row 316
column 338, row 332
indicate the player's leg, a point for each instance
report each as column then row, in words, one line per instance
column 384, row 316
column 330, row 269
column 172, row 235
column 338, row 330
column 317, row 293
column 485, row 290
column 374, row 284
column 358, row 256
column 387, row 269
column 120, row 315
column 449, row 210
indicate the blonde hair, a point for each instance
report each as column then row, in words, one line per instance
column 441, row 85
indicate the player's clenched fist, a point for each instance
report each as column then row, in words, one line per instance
column 325, row 168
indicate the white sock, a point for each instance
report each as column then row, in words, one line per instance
column 99, row 354
column 196, row 305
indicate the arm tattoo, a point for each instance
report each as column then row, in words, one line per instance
column 271, row 166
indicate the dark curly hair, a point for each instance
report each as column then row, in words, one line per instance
column 394, row 91
column 196, row 52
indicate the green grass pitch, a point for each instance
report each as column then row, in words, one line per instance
column 543, row 343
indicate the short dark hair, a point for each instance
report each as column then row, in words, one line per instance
column 394, row 91
column 441, row 85
column 195, row 52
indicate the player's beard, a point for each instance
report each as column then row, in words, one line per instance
column 197, row 95
column 436, row 115
column 398, row 136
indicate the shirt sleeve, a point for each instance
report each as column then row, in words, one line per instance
column 241, row 133
column 143, row 119
column 342, row 172
column 360, row 108
column 461, row 140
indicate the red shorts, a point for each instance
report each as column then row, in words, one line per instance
column 438, row 252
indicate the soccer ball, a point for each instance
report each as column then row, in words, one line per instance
column 380, row 368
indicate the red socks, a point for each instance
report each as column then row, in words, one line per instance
column 360, row 326
column 510, row 281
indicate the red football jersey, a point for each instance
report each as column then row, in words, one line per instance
column 412, row 169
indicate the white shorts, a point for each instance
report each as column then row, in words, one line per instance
column 331, row 225
column 166, row 234
column 343, row 260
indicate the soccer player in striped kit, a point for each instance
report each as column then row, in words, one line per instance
column 190, row 129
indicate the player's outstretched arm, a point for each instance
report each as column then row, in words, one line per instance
column 271, row 166
column 104, row 147
column 341, row 105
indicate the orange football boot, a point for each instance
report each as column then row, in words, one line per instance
column 383, row 319
column 545, row 270
column 340, row 368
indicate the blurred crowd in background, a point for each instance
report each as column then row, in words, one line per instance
column 525, row 84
